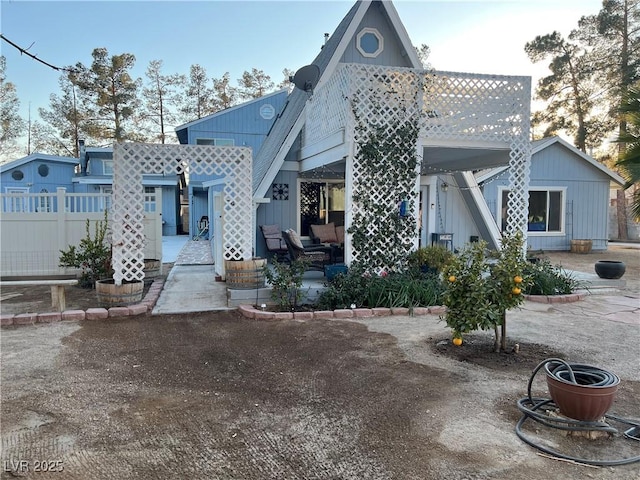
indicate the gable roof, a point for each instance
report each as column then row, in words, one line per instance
column 539, row 145
column 5, row 167
column 225, row 111
column 287, row 126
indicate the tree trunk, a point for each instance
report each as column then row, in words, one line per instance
column 503, row 340
column 496, row 342
column 621, row 209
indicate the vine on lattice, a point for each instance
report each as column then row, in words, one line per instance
column 382, row 235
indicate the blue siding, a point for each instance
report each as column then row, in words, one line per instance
column 586, row 201
column 243, row 124
column 59, row 175
column 281, row 212
column 392, row 54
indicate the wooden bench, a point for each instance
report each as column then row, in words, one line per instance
column 57, row 289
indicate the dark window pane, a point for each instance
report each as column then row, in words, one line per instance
column 555, row 211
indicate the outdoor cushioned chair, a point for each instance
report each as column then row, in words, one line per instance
column 319, row 255
column 329, row 234
column 275, row 243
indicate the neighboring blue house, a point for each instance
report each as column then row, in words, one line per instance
column 91, row 173
column 38, row 173
column 568, row 196
column 244, row 125
column 96, row 176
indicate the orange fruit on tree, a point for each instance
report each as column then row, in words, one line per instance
column 452, row 278
column 516, row 291
column 517, row 279
column 457, row 341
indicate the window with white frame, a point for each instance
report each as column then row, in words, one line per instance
column 15, row 204
column 107, row 167
column 105, row 202
column 44, row 201
column 546, row 210
column 218, row 142
column 150, row 201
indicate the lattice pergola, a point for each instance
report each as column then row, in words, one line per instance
column 446, row 105
column 131, row 160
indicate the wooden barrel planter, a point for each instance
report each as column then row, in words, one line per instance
column 245, row 274
column 112, row 295
column 152, row 267
column 581, row 246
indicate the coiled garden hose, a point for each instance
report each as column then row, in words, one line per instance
column 531, row 407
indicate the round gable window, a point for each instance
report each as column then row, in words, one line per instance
column 17, row 175
column 369, row 42
column 43, row 170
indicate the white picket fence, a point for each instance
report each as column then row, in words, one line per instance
column 35, row 227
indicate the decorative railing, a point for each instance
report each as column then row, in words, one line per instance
column 454, row 105
column 446, row 107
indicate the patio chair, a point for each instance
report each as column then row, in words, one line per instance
column 331, row 235
column 319, row 255
column 275, row 243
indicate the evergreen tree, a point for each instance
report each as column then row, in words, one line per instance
column 225, row 95
column 198, row 98
column 254, row 84
column 568, row 90
column 11, row 123
column 65, row 122
column 159, row 96
column 109, row 87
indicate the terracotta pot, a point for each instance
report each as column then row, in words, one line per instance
column 589, row 398
column 610, row 269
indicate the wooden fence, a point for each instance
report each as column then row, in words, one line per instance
column 35, row 227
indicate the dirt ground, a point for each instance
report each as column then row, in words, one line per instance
column 216, row 395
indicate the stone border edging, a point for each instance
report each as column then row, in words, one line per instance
column 569, row 298
column 249, row 311
column 146, row 305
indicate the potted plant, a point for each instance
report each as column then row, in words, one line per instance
column 432, row 258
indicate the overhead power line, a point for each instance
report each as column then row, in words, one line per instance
column 24, row 50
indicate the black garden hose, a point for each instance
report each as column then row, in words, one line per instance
column 531, row 407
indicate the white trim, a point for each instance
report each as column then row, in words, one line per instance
column 331, row 141
column 290, row 167
column 375, row 33
column 150, row 182
column 278, row 160
column 37, row 157
column 538, row 188
column 213, row 183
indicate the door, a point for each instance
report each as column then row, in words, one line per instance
column 217, row 232
column 423, row 216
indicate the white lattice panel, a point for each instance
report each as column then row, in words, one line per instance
column 448, row 105
column 132, row 159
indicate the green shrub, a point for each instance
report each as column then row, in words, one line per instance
column 405, row 289
column 435, row 257
column 92, row 255
column 286, row 280
column 547, row 279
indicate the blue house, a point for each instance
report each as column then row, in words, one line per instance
column 91, row 173
column 244, row 125
column 37, row 173
column 568, row 196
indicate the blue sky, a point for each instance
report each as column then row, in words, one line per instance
column 482, row 36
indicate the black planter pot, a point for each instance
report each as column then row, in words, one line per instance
column 610, row 269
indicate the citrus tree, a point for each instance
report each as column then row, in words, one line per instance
column 481, row 288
